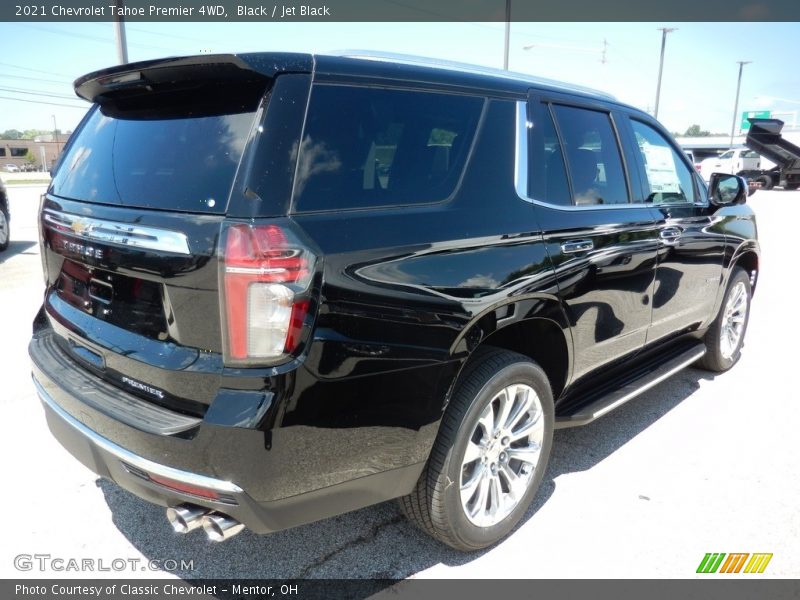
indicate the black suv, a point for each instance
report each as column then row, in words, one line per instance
column 283, row 286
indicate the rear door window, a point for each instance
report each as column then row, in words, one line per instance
column 180, row 163
column 367, row 147
column 593, row 156
column 547, row 172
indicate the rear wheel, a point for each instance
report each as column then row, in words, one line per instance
column 5, row 232
column 765, row 181
column 792, row 186
column 725, row 337
column 490, row 455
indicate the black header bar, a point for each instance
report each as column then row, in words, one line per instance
column 399, row 10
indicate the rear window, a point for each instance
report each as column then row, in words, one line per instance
column 182, row 163
column 368, row 147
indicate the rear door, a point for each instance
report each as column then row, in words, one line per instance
column 690, row 246
column 602, row 244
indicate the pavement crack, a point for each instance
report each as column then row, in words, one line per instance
column 366, row 537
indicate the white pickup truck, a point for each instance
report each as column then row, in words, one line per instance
column 732, row 161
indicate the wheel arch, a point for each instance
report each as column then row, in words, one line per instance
column 748, row 259
column 535, row 327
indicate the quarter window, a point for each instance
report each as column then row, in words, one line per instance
column 368, row 147
column 669, row 180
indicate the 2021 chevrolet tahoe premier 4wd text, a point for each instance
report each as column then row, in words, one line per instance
column 280, row 287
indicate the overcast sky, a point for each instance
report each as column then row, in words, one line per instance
column 38, row 61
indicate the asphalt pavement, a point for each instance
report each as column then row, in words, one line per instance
column 698, row 464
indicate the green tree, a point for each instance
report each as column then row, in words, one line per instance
column 30, row 134
column 11, row 134
column 30, row 157
column 695, row 131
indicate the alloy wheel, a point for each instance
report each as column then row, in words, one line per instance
column 501, row 455
column 733, row 320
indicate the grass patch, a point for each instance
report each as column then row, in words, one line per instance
column 25, row 181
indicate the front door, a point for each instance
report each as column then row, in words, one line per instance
column 690, row 248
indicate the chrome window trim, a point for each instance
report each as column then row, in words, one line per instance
column 126, row 456
column 119, row 234
column 521, row 167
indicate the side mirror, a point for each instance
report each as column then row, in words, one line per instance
column 725, row 189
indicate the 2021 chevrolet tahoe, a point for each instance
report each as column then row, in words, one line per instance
column 280, row 287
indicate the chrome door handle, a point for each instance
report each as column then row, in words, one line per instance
column 670, row 234
column 576, row 246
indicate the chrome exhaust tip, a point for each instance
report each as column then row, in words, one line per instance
column 219, row 527
column 186, row 518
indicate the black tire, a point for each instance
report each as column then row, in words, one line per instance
column 792, row 186
column 716, row 358
column 765, row 181
column 7, row 225
column 435, row 504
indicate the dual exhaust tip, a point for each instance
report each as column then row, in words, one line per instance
column 218, row 527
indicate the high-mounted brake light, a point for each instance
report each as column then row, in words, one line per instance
column 266, row 272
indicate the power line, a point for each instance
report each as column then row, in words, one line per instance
column 92, row 38
column 50, row 81
column 2, row 64
column 42, row 102
column 36, row 93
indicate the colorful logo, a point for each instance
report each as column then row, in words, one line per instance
column 713, row 562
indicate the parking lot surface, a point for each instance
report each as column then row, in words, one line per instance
column 699, row 464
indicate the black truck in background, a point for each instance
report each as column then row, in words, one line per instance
column 765, row 138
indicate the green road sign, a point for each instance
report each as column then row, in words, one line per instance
column 753, row 114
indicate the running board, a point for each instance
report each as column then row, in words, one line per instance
column 620, row 396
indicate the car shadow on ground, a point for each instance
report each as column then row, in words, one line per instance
column 16, row 247
column 375, row 542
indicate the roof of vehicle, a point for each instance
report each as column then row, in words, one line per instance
column 424, row 68
column 362, row 64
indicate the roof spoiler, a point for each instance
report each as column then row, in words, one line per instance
column 164, row 74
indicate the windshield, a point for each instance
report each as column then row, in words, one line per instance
column 185, row 164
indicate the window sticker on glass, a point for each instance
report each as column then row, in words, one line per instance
column 668, row 176
column 660, row 169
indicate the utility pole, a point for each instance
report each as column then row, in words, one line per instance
column 508, row 34
column 55, row 134
column 742, row 63
column 55, row 139
column 664, row 31
column 119, row 28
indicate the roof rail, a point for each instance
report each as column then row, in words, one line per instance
column 439, row 63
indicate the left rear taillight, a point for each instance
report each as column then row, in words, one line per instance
column 267, row 273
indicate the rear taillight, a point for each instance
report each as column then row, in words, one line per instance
column 267, row 273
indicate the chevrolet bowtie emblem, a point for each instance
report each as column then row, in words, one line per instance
column 80, row 227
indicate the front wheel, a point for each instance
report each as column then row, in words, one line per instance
column 725, row 338
column 490, row 455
